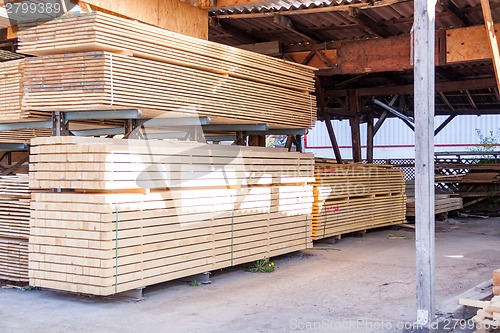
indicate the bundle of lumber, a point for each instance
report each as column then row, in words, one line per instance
column 15, row 198
column 356, row 197
column 496, row 282
column 160, row 72
column 12, row 90
column 102, row 80
column 443, row 202
column 144, row 212
column 488, row 315
column 113, row 164
column 11, row 109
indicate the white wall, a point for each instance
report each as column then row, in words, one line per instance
column 396, row 140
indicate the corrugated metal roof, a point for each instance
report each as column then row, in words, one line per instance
column 394, row 19
column 281, row 5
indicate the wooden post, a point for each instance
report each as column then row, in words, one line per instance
column 354, row 121
column 369, row 138
column 492, row 37
column 356, row 139
column 424, row 39
column 333, row 138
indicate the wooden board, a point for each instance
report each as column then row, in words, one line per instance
column 466, row 44
column 15, row 198
column 104, row 242
column 109, row 164
column 99, row 31
column 442, row 205
column 102, row 80
column 162, row 13
column 355, row 197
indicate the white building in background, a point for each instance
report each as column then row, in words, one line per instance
column 396, row 140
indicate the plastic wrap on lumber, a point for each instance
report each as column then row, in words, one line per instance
column 355, row 197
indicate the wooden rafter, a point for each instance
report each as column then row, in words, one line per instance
column 490, row 28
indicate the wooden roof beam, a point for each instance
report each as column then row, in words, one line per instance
column 448, row 86
column 244, row 36
column 490, row 29
column 289, row 25
column 455, row 11
column 373, row 26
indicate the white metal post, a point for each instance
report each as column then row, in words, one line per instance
column 423, row 58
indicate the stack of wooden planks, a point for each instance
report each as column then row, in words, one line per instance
column 128, row 64
column 488, row 315
column 356, row 197
column 443, row 203
column 144, row 212
column 12, row 90
column 15, row 198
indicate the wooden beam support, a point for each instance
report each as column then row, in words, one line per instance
column 492, row 37
column 409, row 89
column 287, row 24
column 244, row 36
column 393, row 54
column 455, row 12
column 333, row 138
column 356, row 138
column 424, row 60
column 444, row 124
column 380, row 122
column 369, row 138
column 272, row 49
column 373, row 26
column 320, row 97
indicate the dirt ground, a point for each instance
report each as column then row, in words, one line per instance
column 358, row 285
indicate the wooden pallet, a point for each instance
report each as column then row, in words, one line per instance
column 15, row 198
column 109, row 239
column 355, row 197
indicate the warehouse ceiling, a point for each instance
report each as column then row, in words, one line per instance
column 299, row 26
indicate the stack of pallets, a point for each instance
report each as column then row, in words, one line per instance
column 15, row 200
column 356, row 197
column 144, row 212
column 128, row 64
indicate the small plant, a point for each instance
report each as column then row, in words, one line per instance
column 194, row 283
column 262, row 266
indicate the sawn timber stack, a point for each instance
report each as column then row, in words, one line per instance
column 356, row 197
column 15, row 200
column 193, row 208
column 160, row 72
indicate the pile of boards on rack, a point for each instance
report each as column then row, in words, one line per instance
column 443, row 202
column 15, row 200
column 138, row 212
column 96, row 61
column 356, row 197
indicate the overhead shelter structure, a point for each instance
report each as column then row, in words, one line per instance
column 363, row 50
